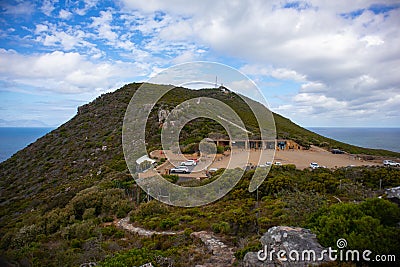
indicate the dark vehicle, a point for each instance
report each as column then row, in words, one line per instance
column 337, row 151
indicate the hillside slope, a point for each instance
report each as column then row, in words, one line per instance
column 88, row 147
column 80, row 162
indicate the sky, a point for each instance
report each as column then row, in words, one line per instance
column 319, row 63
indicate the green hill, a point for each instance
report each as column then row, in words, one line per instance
column 56, row 194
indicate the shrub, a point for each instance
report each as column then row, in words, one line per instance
column 76, row 243
column 240, row 253
column 173, row 178
column 222, row 227
column 361, row 225
column 220, row 149
column 167, row 224
column 89, row 214
column 152, row 208
column 187, row 232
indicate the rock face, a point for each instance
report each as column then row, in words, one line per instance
column 162, row 115
column 298, row 245
column 393, row 194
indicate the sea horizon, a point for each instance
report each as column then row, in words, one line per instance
column 369, row 137
column 15, row 138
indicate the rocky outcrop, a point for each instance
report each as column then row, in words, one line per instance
column 287, row 246
column 393, row 194
column 162, row 115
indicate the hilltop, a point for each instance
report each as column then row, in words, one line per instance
column 61, row 193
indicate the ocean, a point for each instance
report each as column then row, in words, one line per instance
column 382, row 138
column 13, row 139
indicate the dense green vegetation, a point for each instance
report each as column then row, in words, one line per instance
column 82, row 230
column 61, row 195
column 369, row 224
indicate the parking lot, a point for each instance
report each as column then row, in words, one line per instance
column 300, row 158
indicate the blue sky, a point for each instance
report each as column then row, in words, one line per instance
column 319, row 63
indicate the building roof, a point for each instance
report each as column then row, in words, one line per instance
column 144, row 158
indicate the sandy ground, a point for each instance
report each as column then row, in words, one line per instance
column 303, row 158
column 300, row 158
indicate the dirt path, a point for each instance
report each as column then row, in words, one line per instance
column 221, row 254
column 126, row 225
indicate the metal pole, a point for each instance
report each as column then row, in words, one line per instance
column 258, row 213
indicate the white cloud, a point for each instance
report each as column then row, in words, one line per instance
column 277, row 73
column 186, row 56
column 48, row 6
column 172, row 6
column 338, row 53
column 67, row 38
column 65, row 72
column 19, row 9
column 103, row 26
column 337, row 59
column 64, row 14
column 41, row 28
column 313, row 87
column 372, row 40
column 88, row 4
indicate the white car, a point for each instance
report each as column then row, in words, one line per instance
column 391, row 163
column 180, row 169
column 189, row 162
column 314, row 165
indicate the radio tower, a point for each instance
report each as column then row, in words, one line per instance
column 216, row 80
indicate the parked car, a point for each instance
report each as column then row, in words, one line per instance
column 278, row 163
column 314, row 165
column 180, row 169
column 189, row 162
column 391, row 163
column 337, row 151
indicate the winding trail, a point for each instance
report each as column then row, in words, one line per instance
column 221, row 254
